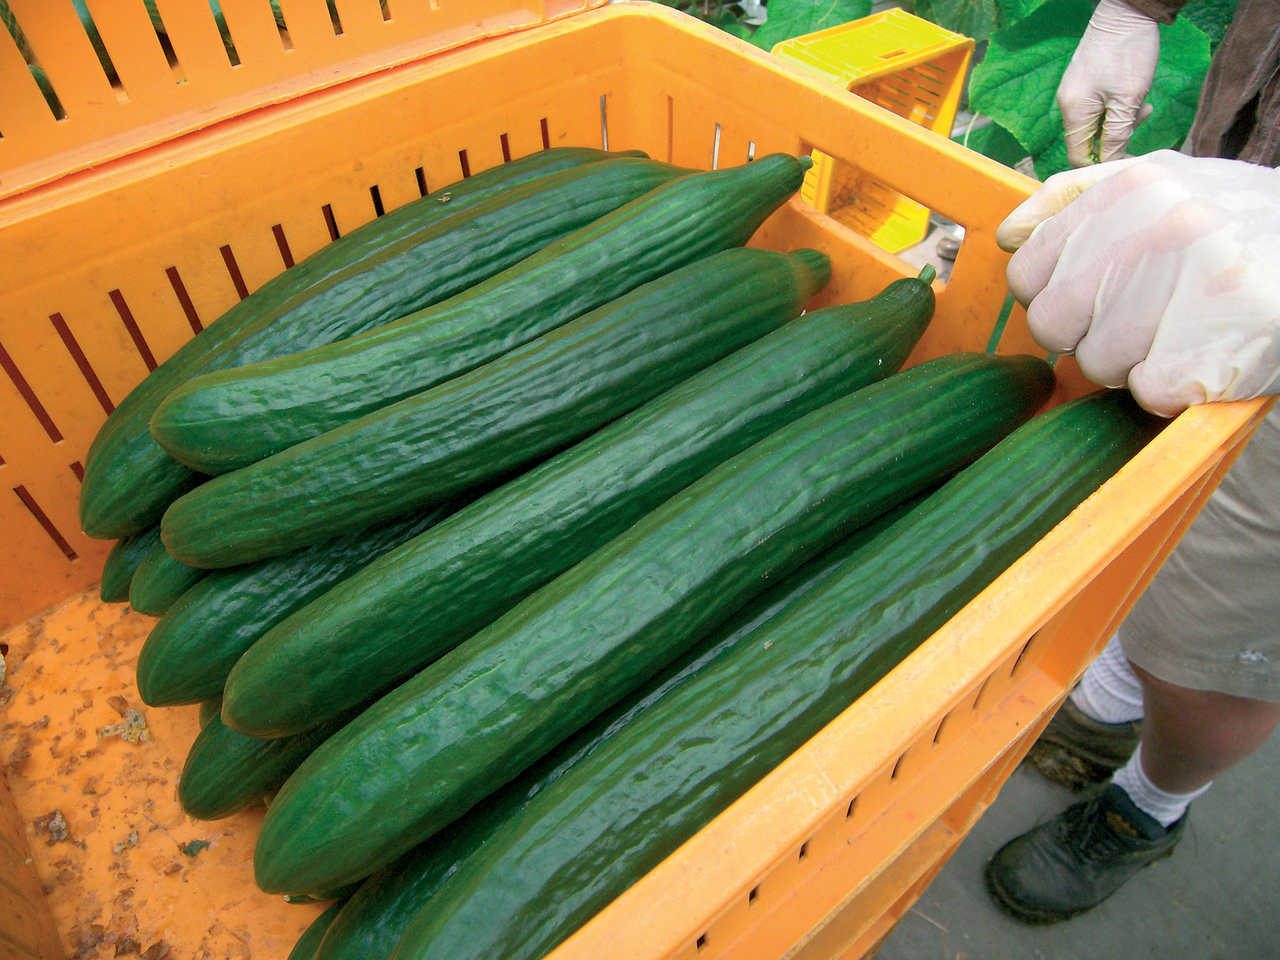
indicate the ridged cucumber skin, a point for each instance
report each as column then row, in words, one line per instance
column 678, row 223
column 223, row 420
column 471, row 721
column 160, row 581
column 594, row 832
column 226, row 772
column 371, row 925
column 422, row 599
column 191, row 649
column 122, row 562
column 129, row 480
column 209, row 709
column 502, row 416
column 305, row 947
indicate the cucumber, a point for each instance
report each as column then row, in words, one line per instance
column 192, row 648
column 231, row 419
column 422, row 599
column 414, row 256
column 502, row 416
column 209, row 709
column 305, row 948
column 616, row 815
column 371, row 924
column 160, row 580
column 226, row 772
column 471, row 721
column 122, row 561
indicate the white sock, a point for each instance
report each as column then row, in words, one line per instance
column 1167, row 808
column 1109, row 691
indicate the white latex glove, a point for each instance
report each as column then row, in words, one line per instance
column 1101, row 94
column 1159, row 272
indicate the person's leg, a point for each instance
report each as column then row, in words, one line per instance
column 1191, row 736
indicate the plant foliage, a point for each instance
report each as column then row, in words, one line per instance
column 787, row 18
column 1017, row 81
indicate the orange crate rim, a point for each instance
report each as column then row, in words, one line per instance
column 822, row 856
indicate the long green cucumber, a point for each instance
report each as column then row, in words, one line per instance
column 483, row 712
column 419, row 601
column 233, row 418
column 371, row 924
column 412, row 257
column 190, row 651
column 209, row 709
column 160, row 581
column 594, row 832
column 305, row 947
column 502, row 416
column 226, row 772
column 122, row 562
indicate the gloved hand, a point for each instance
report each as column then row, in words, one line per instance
column 1161, row 271
column 1101, row 94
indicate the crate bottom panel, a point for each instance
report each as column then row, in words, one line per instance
column 94, row 775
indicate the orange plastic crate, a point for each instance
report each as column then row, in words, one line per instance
column 121, row 238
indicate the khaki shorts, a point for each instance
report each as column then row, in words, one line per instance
column 1210, row 620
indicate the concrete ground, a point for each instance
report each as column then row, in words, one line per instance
column 1216, row 898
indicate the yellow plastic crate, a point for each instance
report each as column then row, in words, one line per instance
column 121, row 239
column 910, row 67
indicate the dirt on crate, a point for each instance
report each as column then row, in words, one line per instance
column 94, row 775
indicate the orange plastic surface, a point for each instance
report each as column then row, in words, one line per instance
column 188, row 80
column 95, row 772
column 120, row 264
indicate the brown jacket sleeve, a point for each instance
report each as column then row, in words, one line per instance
column 1162, row 11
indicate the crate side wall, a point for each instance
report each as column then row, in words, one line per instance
column 114, row 283
column 109, row 239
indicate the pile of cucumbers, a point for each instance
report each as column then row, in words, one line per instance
column 510, row 538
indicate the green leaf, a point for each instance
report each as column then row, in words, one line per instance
column 725, row 19
column 795, row 18
column 1018, row 78
column 740, row 30
column 996, row 142
column 971, row 18
column 1011, row 11
column 1017, row 82
column 1175, row 92
column 15, row 31
column 1211, row 16
column 1052, row 160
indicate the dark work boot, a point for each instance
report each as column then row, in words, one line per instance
column 1072, row 863
column 1077, row 751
